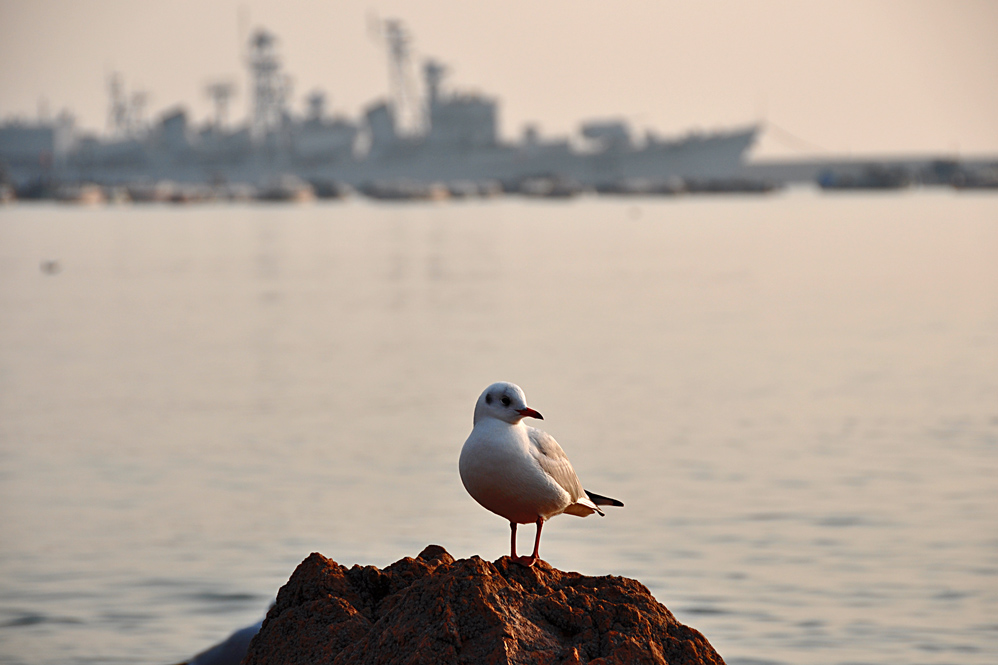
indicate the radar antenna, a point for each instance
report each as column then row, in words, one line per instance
column 220, row 92
column 316, row 101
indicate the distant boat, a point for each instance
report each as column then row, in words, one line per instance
column 405, row 190
column 870, row 177
column 82, row 194
column 325, row 188
column 731, row 186
column 287, row 187
column 556, row 187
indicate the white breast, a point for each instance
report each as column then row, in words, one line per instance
column 499, row 472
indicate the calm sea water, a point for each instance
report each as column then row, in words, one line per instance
column 796, row 397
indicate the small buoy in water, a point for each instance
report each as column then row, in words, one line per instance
column 51, row 267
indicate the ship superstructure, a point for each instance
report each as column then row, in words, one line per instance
column 440, row 136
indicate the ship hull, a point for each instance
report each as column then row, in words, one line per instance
column 717, row 155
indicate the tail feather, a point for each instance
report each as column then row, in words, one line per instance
column 601, row 500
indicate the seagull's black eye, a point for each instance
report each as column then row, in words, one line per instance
column 488, row 398
column 505, row 400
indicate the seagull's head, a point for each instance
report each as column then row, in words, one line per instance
column 504, row 401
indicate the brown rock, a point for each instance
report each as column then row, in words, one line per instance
column 434, row 609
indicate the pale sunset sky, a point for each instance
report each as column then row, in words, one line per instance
column 849, row 78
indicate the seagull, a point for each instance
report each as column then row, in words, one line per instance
column 519, row 472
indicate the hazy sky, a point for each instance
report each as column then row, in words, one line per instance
column 830, row 77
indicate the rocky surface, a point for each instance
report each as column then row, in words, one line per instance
column 434, row 609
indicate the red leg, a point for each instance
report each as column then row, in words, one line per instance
column 533, row 558
column 512, row 541
column 537, row 539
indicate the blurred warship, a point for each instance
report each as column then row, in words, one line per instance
column 403, row 145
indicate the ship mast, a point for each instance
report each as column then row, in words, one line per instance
column 407, row 112
column 117, row 116
column 125, row 118
column 270, row 85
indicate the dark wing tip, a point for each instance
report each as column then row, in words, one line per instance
column 601, row 500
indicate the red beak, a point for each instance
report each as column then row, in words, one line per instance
column 530, row 413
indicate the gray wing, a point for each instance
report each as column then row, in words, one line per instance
column 553, row 460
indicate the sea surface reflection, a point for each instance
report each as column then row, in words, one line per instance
column 796, row 397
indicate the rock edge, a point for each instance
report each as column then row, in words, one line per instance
column 433, row 609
